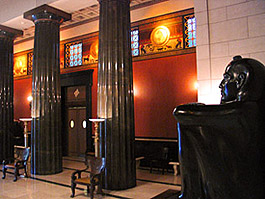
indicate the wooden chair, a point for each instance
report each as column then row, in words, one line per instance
column 160, row 160
column 21, row 156
column 90, row 177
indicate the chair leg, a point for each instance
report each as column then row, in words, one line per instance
column 4, row 173
column 15, row 174
column 163, row 168
column 99, row 191
column 92, row 191
column 25, row 170
column 73, row 185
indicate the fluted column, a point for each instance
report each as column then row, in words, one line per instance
column 7, row 36
column 46, row 146
column 115, row 94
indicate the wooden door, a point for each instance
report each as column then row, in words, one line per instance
column 77, row 131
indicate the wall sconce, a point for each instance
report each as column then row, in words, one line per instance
column 29, row 98
column 196, row 85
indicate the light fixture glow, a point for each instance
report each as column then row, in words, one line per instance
column 29, row 98
column 196, row 85
column 135, row 91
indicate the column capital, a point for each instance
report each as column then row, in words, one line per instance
column 9, row 32
column 46, row 12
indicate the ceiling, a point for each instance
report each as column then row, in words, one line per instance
column 83, row 11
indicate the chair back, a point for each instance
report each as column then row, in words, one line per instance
column 21, row 153
column 165, row 153
column 96, row 164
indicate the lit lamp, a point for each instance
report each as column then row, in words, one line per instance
column 25, row 121
column 96, row 140
column 26, row 134
column 29, row 100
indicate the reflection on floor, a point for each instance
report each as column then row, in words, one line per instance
column 58, row 186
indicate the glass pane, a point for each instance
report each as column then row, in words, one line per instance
column 73, row 54
column 72, row 124
column 84, row 124
column 190, row 31
column 135, row 42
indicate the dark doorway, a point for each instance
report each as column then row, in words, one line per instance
column 76, row 111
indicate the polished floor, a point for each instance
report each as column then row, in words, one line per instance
column 57, row 186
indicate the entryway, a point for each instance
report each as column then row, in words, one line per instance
column 76, row 111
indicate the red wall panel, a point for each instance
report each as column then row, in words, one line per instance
column 22, row 89
column 94, row 93
column 160, row 85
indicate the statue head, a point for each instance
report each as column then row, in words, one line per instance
column 243, row 80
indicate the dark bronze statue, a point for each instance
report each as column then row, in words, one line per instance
column 243, row 80
column 221, row 147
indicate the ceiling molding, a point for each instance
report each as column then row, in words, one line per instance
column 83, row 16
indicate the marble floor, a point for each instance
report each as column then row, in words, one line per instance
column 58, row 186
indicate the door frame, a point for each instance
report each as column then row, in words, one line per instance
column 80, row 78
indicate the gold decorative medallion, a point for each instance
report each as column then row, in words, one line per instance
column 160, row 36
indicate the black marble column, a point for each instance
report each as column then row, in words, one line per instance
column 7, row 36
column 46, row 146
column 115, row 94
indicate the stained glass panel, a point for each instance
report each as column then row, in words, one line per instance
column 135, row 42
column 190, row 31
column 73, row 54
column 168, row 33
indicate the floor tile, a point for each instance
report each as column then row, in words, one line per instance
column 57, row 186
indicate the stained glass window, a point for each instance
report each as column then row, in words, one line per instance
column 190, row 30
column 73, row 54
column 135, row 42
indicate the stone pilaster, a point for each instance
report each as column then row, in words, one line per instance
column 115, row 94
column 46, row 146
column 7, row 36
